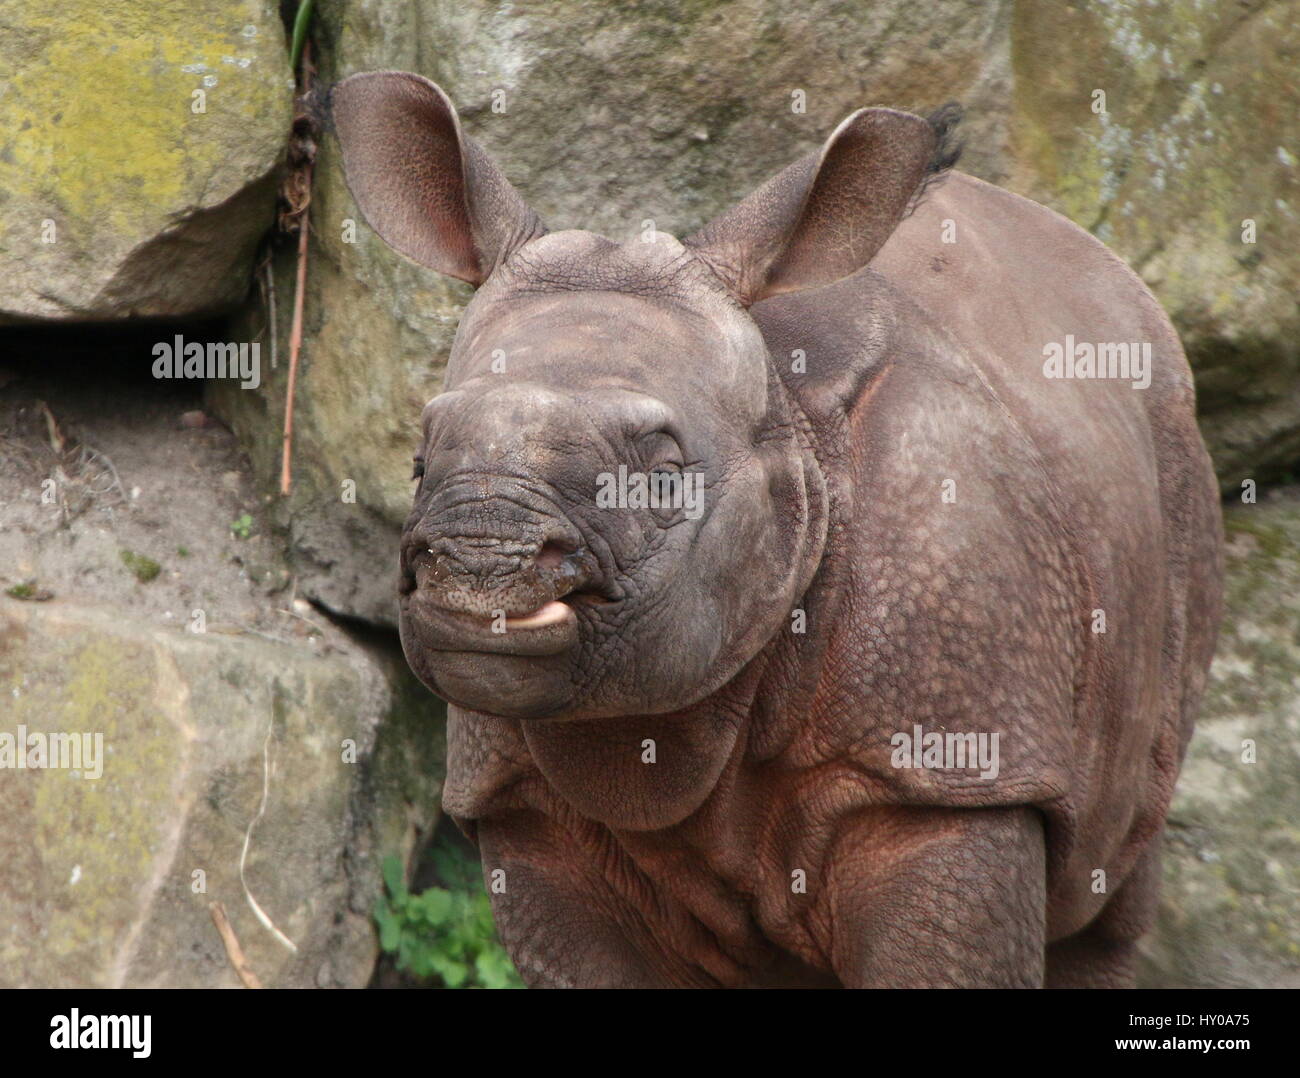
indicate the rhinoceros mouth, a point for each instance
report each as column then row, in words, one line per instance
column 552, row 629
column 530, row 612
column 557, row 610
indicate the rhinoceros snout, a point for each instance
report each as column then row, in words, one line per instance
column 490, row 577
column 507, row 555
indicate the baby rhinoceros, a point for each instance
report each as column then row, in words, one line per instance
column 823, row 599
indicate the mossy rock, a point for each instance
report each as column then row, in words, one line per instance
column 1192, row 174
column 1230, row 910
column 326, row 762
column 118, row 198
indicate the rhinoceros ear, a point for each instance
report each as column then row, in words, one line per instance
column 427, row 189
column 827, row 215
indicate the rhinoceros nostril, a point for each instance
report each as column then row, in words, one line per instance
column 484, row 574
column 552, row 555
column 439, row 567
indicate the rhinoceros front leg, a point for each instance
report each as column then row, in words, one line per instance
column 555, row 916
column 1104, row 954
column 939, row 898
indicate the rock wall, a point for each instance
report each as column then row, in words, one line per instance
column 1199, row 143
column 144, row 598
column 1230, row 912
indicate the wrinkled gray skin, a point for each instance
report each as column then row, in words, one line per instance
column 670, row 783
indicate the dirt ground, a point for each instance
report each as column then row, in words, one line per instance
column 116, row 489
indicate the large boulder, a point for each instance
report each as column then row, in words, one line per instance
column 322, row 761
column 1199, row 137
column 1230, row 909
column 117, row 198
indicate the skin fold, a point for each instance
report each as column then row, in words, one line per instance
column 673, row 735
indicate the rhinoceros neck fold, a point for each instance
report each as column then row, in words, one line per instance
column 646, row 772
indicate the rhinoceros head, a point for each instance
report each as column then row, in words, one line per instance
column 618, row 503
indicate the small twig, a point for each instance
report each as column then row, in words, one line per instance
column 268, row 283
column 52, row 431
column 233, row 951
column 59, row 446
column 90, row 455
column 295, row 346
column 294, row 614
column 266, row 636
column 295, row 332
column 261, row 914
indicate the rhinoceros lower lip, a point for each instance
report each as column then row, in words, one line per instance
column 551, row 629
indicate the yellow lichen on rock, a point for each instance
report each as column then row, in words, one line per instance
column 118, row 123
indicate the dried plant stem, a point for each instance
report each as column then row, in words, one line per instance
column 268, row 289
column 295, row 332
column 295, row 346
column 233, row 951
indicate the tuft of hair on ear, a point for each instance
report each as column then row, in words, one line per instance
column 943, row 122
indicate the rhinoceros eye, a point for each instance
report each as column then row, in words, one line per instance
column 661, row 452
column 417, row 472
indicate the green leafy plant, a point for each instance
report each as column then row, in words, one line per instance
column 444, row 933
column 29, row 590
column 243, row 527
column 145, row 569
